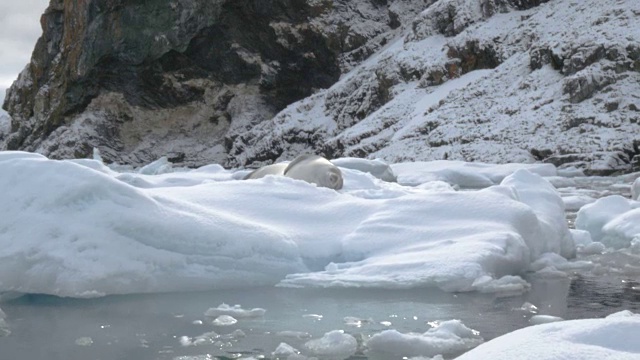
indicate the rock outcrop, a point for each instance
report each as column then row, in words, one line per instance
column 248, row 83
column 481, row 81
column 139, row 80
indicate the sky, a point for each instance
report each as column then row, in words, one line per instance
column 19, row 31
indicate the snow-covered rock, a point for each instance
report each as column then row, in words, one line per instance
column 493, row 80
column 548, row 83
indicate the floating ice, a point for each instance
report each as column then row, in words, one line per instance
column 377, row 168
column 575, row 202
column 224, row 320
column 612, row 220
column 284, row 350
column 355, row 321
column 508, row 284
column 236, row 311
column 615, row 337
column 294, row 334
column 77, row 228
column 448, row 338
column 334, row 344
column 205, row 339
column 544, row 319
column 84, row 341
column 529, row 307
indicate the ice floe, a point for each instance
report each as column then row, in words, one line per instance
column 78, row 228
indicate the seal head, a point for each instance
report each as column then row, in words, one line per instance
column 316, row 170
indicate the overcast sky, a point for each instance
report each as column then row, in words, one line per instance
column 19, row 30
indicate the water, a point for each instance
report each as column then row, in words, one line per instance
column 151, row 326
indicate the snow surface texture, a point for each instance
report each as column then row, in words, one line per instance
column 613, row 338
column 78, row 228
column 516, row 86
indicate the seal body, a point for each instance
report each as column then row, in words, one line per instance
column 316, row 170
column 275, row 169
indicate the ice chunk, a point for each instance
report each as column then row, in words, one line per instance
column 160, row 166
column 84, row 341
column 284, row 350
column 377, row 168
column 334, row 344
column 448, row 338
column 581, row 237
column 205, row 339
column 224, row 320
column 236, row 311
column 612, row 220
column 508, row 284
column 544, row 319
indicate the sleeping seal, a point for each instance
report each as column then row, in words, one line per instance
column 316, row 170
column 275, row 169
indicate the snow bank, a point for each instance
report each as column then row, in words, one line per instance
column 77, row 228
column 612, row 220
column 448, row 338
column 614, row 337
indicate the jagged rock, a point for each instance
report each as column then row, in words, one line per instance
column 140, row 80
column 490, row 80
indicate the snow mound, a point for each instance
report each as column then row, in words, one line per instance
column 614, row 337
column 79, row 229
column 448, row 338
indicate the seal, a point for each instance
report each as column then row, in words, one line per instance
column 275, row 169
column 316, row 170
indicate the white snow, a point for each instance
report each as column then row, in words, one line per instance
column 447, row 338
column 614, row 337
column 80, row 229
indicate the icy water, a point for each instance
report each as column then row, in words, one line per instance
column 151, row 326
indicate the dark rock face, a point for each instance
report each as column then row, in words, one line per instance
column 141, row 75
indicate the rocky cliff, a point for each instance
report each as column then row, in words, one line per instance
column 140, row 80
column 246, row 82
